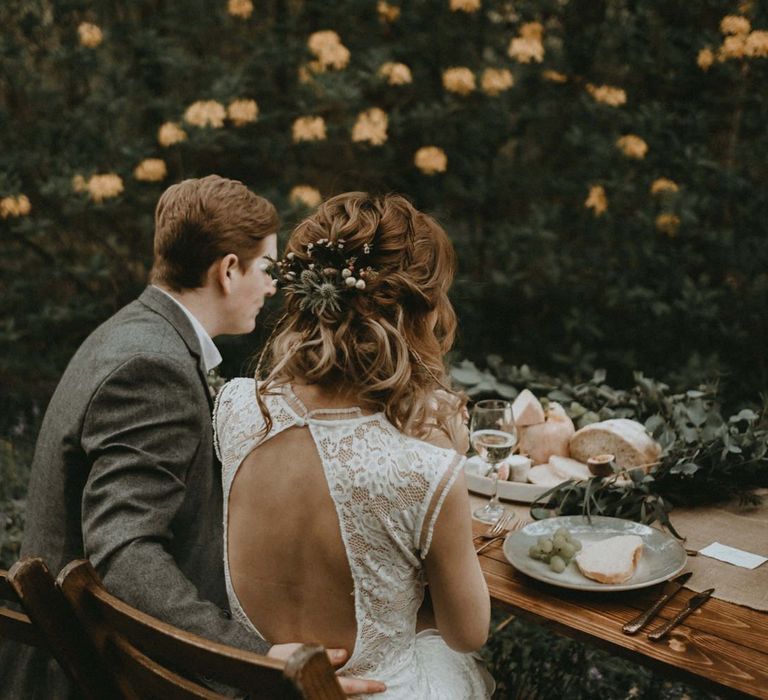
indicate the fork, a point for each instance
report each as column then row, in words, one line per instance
column 493, row 530
column 496, row 532
column 519, row 525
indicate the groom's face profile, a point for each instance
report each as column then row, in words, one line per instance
column 249, row 285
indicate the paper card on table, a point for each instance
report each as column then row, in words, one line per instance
column 731, row 555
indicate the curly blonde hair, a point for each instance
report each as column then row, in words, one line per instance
column 386, row 344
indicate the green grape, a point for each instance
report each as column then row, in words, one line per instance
column 577, row 545
column 557, row 564
column 562, row 532
column 567, row 551
column 558, row 542
column 545, row 545
column 534, row 552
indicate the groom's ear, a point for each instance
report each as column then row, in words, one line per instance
column 224, row 271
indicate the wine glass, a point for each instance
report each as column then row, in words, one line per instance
column 493, row 435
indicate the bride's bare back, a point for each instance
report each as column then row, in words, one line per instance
column 281, row 514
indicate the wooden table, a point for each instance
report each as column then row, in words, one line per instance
column 722, row 646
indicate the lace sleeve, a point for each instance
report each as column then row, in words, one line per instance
column 225, row 411
column 444, row 479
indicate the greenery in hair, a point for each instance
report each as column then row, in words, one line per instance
column 321, row 276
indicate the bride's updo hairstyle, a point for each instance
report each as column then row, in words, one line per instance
column 383, row 344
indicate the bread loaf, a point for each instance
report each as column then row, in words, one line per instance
column 613, row 560
column 625, row 439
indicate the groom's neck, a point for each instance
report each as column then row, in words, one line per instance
column 201, row 304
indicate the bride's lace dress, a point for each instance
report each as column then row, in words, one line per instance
column 387, row 489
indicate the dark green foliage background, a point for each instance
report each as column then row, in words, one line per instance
column 542, row 281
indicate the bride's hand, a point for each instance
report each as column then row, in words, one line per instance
column 350, row 686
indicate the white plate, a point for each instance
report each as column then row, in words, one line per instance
column 508, row 490
column 662, row 557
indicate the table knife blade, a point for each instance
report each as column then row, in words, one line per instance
column 693, row 603
column 671, row 588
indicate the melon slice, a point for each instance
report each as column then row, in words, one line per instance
column 526, row 409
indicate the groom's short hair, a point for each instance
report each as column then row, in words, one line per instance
column 199, row 221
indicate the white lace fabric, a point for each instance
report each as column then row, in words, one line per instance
column 387, row 489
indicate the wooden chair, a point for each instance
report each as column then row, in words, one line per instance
column 148, row 656
column 48, row 622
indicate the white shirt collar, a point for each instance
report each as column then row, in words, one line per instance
column 211, row 355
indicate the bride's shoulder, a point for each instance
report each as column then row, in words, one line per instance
column 239, row 386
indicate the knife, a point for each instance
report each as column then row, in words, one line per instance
column 695, row 602
column 672, row 587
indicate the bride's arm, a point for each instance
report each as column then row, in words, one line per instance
column 459, row 593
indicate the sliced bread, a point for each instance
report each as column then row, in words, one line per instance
column 567, row 468
column 612, row 560
column 625, row 439
column 526, row 409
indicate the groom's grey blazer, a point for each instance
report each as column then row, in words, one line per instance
column 124, row 473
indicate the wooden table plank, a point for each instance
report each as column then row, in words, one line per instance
column 731, row 622
column 722, row 646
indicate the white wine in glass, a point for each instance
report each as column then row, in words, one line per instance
column 494, row 438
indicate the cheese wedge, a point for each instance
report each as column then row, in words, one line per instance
column 567, row 468
column 613, row 560
column 543, row 475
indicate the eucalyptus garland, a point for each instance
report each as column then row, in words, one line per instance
column 706, row 457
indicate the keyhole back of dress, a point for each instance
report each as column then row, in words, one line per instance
column 287, row 559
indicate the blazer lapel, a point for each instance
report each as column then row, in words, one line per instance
column 170, row 311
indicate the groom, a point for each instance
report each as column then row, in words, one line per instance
column 124, row 470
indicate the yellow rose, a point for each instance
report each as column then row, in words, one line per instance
column 396, row 73
column 613, row 96
column 90, row 35
column 371, row 126
column 663, row 184
column 151, row 170
column 496, row 80
column 205, row 113
column 597, row 200
column 305, row 195
column 240, row 8
column 668, row 224
column 431, row 160
column 733, row 24
column 241, row 112
column 632, row 146
column 526, row 49
column 554, row 77
column 101, row 187
column 388, row 13
column 465, row 5
column 308, row 129
column 459, row 80
column 705, row 59
column 170, row 133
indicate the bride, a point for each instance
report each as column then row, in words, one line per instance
column 344, row 494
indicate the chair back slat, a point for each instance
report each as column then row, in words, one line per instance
column 48, row 621
column 148, row 655
column 6, row 590
column 14, row 624
column 154, row 679
column 17, row 626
